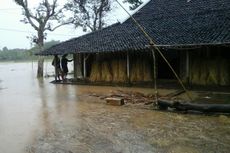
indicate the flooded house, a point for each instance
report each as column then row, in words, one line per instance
column 193, row 35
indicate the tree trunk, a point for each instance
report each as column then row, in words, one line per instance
column 100, row 16
column 40, row 67
column 40, row 43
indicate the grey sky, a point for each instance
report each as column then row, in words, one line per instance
column 14, row 33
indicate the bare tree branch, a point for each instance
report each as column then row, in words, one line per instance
column 41, row 19
column 59, row 25
column 90, row 12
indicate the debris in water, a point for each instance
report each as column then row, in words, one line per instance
column 207, row 97
column 115, row 101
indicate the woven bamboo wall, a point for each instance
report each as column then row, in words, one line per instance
column 210, row 67
column 113, row 68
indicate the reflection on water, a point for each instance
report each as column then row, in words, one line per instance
column 36, row 116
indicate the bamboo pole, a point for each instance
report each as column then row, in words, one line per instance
column 155, row 75
column 157, row 49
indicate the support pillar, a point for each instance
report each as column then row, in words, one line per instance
column 84, row 66
column 187, row 74
column 128, row 67
column 78, row 66
column 155, row 73
column 75, row 60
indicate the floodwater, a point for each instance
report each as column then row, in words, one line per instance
column 39, row 117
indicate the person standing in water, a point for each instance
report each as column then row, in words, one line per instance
column 57, row 66
column 64, row 65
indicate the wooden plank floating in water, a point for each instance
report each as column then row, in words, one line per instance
column 115, row 101
column 182, row 106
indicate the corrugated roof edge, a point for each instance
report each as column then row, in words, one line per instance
column 182, row 46
column 73, row 39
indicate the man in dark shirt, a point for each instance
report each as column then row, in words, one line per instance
column 64, row 65
column 57, row 66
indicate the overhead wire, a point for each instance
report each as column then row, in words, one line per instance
column 6, row 9
column 153, row 45
column 24, row 31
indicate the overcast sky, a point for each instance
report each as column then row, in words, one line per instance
column 14, row 33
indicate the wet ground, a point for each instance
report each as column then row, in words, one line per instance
column 39, row 117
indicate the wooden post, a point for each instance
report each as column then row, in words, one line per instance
column 85, row 70
column 187, row 67
column 155, row 74
column 84, row 66
column 128, row 67
column 75, row 65
column 78, row 66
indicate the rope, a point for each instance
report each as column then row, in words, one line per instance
column 153, row 45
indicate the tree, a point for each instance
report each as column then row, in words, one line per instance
column 4, row 49
column 23, row 54
column 42, row 19
column 35, row 49
column 134, row 3
column 89, row 14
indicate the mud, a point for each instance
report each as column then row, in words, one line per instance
column 39, row 117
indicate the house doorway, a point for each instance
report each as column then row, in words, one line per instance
column 164, row 72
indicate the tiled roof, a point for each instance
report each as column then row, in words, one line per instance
column 169, row 22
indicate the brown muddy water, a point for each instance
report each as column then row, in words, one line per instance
column 39, row 117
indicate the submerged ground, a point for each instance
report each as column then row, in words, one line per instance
column 36, row 116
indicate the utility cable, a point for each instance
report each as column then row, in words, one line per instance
column 153, row 45
column 23, row 31
column 6, row 9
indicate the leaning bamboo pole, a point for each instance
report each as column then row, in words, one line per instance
column 153, row 45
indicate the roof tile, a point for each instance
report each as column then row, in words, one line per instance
column 173, row 23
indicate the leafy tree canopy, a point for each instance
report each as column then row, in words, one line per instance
column 23, row 54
